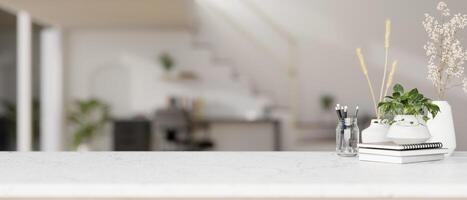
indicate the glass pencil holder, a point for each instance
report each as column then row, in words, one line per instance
column 347, row 137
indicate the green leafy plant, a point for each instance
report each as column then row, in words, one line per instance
column 88, row 117
column 407, row 103
column 326, row 102
column 166, row 61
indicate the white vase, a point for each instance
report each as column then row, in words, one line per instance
column 408, row 129
column 442, row 127
column 376, row 132
column 83, row 147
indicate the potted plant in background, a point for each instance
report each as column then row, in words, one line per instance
column 88, row 117
column 168, row 64
column 407, row 113
column 445, row 68
column 326, row 102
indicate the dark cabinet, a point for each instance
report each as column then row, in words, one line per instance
column 132, row 135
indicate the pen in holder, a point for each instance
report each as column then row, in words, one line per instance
column 347, row 137
column 347, row 132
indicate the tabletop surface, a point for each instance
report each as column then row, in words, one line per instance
column 224, row 174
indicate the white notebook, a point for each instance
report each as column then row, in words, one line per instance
column 399, row 159
column 403, row 153
column 393, row 146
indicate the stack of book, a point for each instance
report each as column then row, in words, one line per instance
column 408, row 153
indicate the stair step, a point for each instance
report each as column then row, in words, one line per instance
column 215, row 72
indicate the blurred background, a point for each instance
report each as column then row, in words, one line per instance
column 200, row 75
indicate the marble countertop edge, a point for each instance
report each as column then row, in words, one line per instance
column 233, row 191
column 225, row 175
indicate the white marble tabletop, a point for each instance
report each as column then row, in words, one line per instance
column 224, row 174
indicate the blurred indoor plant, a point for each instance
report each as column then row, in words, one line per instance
column 407, row 113
column 445, row 68
column 168, row 63
column 326, row 102
column 88, row 117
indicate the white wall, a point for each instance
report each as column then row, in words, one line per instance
column 240, row 48
column 121, row 68
column 328, row 31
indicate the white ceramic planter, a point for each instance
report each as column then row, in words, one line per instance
column 376, row 132
column 408, row 129
column 84, row 147
column 442, row 127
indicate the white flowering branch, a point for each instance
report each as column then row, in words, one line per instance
column 446, row 56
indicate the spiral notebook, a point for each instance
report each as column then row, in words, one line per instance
column 401, row 147
column 418, row 152
column 400, row 159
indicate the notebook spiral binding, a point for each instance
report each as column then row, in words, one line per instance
column 433, row 145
